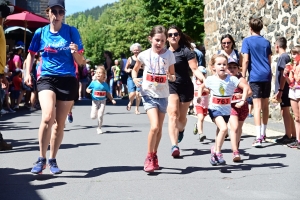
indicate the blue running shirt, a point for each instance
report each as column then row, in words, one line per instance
column 57, row 59
column 99, row 90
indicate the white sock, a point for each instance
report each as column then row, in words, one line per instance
column 263, row 129
column 257, row 132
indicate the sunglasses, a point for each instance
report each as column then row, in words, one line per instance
column 224, row 43
column 56, row 12
column 171, row 34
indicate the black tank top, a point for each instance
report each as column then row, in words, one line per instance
column 131, row 66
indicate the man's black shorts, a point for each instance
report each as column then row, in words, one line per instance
column 260, row 89
column 64, row 87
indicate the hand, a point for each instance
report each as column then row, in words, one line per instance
column 28, row 80
column 170, row 77
column 199, row 100
column 4, row 82
column 278, row 96
column 88, row 90
column 113, row 101
column 240, row 104
column 137, row 82
column 73, row 47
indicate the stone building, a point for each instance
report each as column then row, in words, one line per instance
column 280, row 18
column 34, row 6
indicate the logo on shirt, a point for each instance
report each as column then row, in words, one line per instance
column 50, row 50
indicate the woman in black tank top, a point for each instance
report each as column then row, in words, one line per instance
column 132, row 89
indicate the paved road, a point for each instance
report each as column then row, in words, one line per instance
column 109, row 166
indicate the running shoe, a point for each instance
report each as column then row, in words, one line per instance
column 220, row 159
column 257, row 143
column 195, row 130
column 149, row 164
column 180, row 136
column 175, row 151
column 53, row 166
column 99, row 131
column 11, row 110
column 202, row 137
column 3, row 112
column 16, row 107
column 263, row 138
column 213, row 159
column 155, row 162
column 39, row 166
column 294, row 144
column 70, row 117
column 236, row 156
column 250, row 115
column 284, row 140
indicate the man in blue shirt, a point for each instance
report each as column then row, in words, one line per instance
column 257, row 53
column 199, row 55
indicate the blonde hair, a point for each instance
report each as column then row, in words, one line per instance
column 101, row 67
column 213, row 60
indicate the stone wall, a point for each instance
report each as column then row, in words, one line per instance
column 280, row 18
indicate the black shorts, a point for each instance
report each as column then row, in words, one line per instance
column 185, row 90
column 285, row 101
column 260, row 89
column 65, row 87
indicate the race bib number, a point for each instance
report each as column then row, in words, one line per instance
column 221, row 100
column 99, row 94
column 203, row 94
column 156, row 78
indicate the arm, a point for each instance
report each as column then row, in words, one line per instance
column 134, row 73
column 127, row 65
column 270, row 59
column 246, row 92
column 194, row 67
column 28, row 63
column 201, row 88
column 245, row 64
column 171, row 73
column 110, row 98
column 77, row 56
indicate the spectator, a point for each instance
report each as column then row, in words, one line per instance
column 228, row 49
column 108, row 64
column 124, row 75
column 203, row 51
column 83, row 81
column 257, row 60
column 199, row 55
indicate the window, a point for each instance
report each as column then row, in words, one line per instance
column 33, row 6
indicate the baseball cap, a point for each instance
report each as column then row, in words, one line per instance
column 193, row 45
column 231, row 60
column 53, row 3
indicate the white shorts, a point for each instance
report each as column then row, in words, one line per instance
column 294, row 94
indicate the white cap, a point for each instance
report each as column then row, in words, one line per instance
column 193, row 45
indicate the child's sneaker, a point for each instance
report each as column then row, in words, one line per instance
column 263, row 138
column 180, row 136
column 236, row 156
column 70, row 117
column 39, row 166
column 149, row 164
column 257, row 143
column 294, row 144
column 195, row 130
column 99, row 131
column 155, row 162
column 213, row 159
column 53, row 166
column 202, row 137
column 220, row 159
column 175, row 151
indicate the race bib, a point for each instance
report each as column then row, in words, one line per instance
column 156, row 78
column 99, row 94
column 221, row 100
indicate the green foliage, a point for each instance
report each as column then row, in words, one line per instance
column 94, row 12
column 130, row 21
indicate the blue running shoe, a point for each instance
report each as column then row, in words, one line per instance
column 70, row 117
column 175, row 151
column 180, row 136
column 213, row 159
column 220, row 159
column 53, row 166
column 39, row 166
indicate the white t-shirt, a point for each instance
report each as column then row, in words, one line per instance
column 155, row 82
column 232, row 55
column 221, row 89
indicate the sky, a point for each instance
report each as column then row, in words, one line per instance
column 73, row 6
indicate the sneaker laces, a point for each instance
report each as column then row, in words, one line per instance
column 53, row 163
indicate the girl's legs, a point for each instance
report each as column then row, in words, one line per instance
column 200, row 123
column 234, row 128
column 296, row 106
column 80, row 90
column 173, row 112
column 222, row 126
column 32, row 100
column 131, row 98
column 137, row 102
column 100, row 114
column 62, row 110
column 153, row 115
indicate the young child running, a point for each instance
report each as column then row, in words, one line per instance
column 99, row 90
column 292, row 74
column 238, row 114
column 158, row 69
column 200, row 108
column 221, row 86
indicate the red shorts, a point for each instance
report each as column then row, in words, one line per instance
column 201, row 110
column 242, row 112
